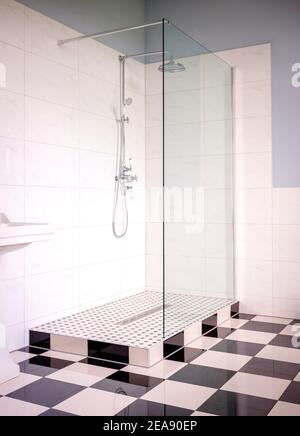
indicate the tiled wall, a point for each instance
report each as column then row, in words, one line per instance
column 267, row 219
column 57, row 160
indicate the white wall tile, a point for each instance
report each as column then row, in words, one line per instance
column 97, row 244
column 98, row 96
column 98, row 133
column 56, row 206
column 217, row 103
column 219, row 206
column 51, row 165
column 42, row 34
column 253, row 170
column 220, row 278
column 219, row 171
column 182, row 140
column 286, row 307
column 12, row 59
column 180, row 242
column 254, row 242
column 218, row 137
column 185, row 274
column 11, row 162
column 16, row 337
column 12, row 119
column 258, row 305
column 12, row 302
column 287, row 280
column 254, row 278
column 253, row 206
column 133, row 275
column 12, row 202
column 62, row 252
column 50, row 81
column 154, row 273
column 187, row 107
column 49, row 123
column 253, row 99
column 134, row 244
column 12, row 23
column 286, row 206
column 96, row 207
column 50, row 293
column 97, row 170
column 253, row 135
column 12, row 265
column 99, row 282
column 219, row 239
column 287, row 243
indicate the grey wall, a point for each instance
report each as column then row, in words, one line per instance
column 226, row 24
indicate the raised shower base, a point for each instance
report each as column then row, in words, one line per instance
column 130, row 330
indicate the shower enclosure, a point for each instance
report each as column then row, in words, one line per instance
column 173, row 111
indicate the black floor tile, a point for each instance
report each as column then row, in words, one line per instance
column 103, row 363
column 46, row 392
column 224, row 403
column 53, row 412
column 237, row 347
column 34, row 350
column 220, row 333
column 185, row 355
column 43, row 366
column 283, row 341
column 148, row 408
column 292, row 394
column 271, row 368
column 244, row 316
column 133, row 385
column 203, row 376
column 266, row 327
column 295, row 321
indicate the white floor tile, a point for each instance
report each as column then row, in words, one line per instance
column 201, row 414
column 251, row 337
column 63, row 356
column 282, row 354
column 17, row 383
column 179, row 394
column 12, row 407
column 216, row 359
column 205, row 343
column 257, row 386
column 163, row 369
column 234, row 323
column 20, row 356
column 285, row 409
column 272, row 320
column 93, row 402
column 290, row 330
column 298, row 378
column 82, row 374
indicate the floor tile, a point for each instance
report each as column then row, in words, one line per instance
column 273, row 320
column 245, row 316
column 178, row 394
column 149, row 408
column 219, row 332
column 126, row 383
column 295, row 321
column 298, row 377
column 43, row 366
column 203, row 376
column 93, row 402
column 224, row 403
column 251, row 337
column 205, row 343
column 102, row 363
column 285, row 409
column 163, row 369
column 82, row 374
column 228, row 361
column 266, row 327
column 237, row 347
column 202, row 414
column 33, row 350
column 257, row 386
column 280, row 353
column 20, row 356
column 63, row 356
column 46, row 392
column 53, row 412
column 291, row 330
column 234, row 323
column 272, row 368
column 12, row 407
column 17, row 383
column 283, row 341
column 292, row 394
column 185, row 355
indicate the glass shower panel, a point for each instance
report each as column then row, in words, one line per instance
column 198, row 194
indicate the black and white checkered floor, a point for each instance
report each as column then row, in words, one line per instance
column 250, row 366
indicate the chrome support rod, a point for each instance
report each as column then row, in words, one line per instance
column 152, row 53
column 111, row 32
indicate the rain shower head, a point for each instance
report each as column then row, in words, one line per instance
column 172, row 67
